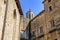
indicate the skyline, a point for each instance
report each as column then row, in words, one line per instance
column 35, row 5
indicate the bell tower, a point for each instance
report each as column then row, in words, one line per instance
column 29, row 14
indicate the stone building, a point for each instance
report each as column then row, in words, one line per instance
column 24, row 31
column 10, row 12
column 37, row 24
column 46, row 25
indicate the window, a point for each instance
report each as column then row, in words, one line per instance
column 50, row 8
column 32, row 15
column 49, row 0
column 5, row 1
column 41, row 29
column 55, row 39
column 14, row 13
column 29, row 16
column 52, row 23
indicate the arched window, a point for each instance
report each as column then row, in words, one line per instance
column 49, row 0
column 29, row 16
column 50, row 8
column 32, row 15
column 14, row 13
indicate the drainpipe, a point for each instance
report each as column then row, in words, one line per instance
column 4, row 23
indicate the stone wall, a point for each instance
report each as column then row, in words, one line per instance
column 24, row 28
column 36, row 23
column 12, row 21
column 51, row 30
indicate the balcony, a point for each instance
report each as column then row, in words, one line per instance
column 52, row 29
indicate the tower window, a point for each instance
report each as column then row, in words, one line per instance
column 29, row 16
column 26, row 15
column 49, row 0
column 50, row 8
column 32, row 15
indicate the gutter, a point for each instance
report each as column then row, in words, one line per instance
column 2, row 36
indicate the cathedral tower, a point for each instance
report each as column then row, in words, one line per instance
column 29, row 14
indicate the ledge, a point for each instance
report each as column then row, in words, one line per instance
column 41, row 35
column 52, row 29
column 19, row 6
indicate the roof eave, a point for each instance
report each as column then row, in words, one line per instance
column 43, row 1
column 19, row 7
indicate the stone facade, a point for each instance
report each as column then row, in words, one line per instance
column 46, row 25
column 36, row 24
column 25, row 31
column 10, row 12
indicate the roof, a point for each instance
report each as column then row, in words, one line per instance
column 43, row 1
column 37, row 15
column 19, row 7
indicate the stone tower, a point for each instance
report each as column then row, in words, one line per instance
column 29, row 14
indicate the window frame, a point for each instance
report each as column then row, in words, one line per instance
column 50, row 8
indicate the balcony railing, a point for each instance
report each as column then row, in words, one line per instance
column 52, row 29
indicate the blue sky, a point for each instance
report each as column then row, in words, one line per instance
column 35, row 5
